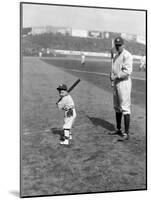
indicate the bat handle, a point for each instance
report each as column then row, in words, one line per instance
column 58, row 101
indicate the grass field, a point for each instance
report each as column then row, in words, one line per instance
column 94, row 161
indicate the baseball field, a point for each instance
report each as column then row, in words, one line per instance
column 94, row 161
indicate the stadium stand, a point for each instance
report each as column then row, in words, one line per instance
column 32, row 44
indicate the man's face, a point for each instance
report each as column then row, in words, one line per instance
column 119, row 48
column 62, row 93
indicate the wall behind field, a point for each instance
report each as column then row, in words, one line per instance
column 87, row 53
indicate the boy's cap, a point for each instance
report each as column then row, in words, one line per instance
column 119, row 41
column 62, row 87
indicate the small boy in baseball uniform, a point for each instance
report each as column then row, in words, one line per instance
column 66, row 104
column 121, row 77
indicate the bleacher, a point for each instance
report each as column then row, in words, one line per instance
column 32, row 44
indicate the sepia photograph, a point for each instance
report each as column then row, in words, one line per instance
column 83, row 99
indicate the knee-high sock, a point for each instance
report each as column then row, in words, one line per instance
column 127, row 122
column 66, row 133
column 118, row 120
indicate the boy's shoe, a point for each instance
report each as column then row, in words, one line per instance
column 65, row 142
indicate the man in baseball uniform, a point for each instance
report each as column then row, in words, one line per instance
column 67, row 105
column 121, row 77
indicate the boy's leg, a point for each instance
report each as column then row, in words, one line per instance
column 66, row 137
column 70, row 135
column 68, row 125
column 62, row 135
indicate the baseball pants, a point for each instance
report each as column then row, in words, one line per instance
column 122, row 96
column 68, row 123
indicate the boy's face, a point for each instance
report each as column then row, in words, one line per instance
column 62, row 93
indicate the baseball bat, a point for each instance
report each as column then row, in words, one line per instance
column 74, row 84
column 71, row 88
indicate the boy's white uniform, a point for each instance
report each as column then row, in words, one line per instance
column 65, row 104
column 122, row 87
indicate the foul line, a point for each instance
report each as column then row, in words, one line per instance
column 104, row 74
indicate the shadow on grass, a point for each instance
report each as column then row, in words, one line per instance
column 101, row 122
column 58, row 131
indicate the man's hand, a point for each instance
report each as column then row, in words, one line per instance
column 112, row 76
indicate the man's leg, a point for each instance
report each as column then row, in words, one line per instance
column 118, row 113
column 125, row 135
column 118, row 120
column 125, row 94
column 118, row 130
column 127, row 124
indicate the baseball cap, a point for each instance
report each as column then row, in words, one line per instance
column 119, row 41
column 62, row 87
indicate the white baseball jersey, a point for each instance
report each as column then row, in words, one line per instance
column 122, row 68
column 65, row 104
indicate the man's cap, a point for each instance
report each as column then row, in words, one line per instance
column 119, row 41
column 62, row 87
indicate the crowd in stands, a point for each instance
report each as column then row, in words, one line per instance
column 32, row 44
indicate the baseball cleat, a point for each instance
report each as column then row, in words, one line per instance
column 116, row 132
column 124, row 137
column 65, row 142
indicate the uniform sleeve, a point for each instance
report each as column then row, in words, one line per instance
column 126, row 68
column 69, row 102
column 66, row 103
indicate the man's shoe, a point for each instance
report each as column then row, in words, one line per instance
column 124, row 137
column 116, row 132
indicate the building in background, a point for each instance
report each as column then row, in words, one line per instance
column 64, row 30
column 50, row 29
column 127, row 36
column 38, row 30
column 79, row 33
column 94, row 34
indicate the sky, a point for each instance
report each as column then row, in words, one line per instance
column 87, row 18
